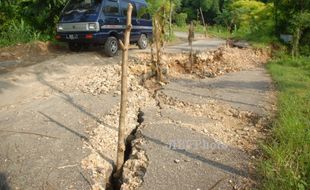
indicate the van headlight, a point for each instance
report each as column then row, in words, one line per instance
column 93, row 26
column 59, row 27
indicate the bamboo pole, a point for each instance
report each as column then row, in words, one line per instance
column 157, row 35
column 203, row 21
column 191, row 36
column 124, row 95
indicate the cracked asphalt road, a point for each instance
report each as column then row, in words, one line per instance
column 43, row 124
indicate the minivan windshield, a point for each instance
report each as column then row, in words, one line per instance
column 83, row 6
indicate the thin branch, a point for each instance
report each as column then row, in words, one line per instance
column 122, row 46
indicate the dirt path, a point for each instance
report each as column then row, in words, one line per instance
column 59, row 117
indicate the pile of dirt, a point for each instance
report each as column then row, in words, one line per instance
column 106, row 79
column 30, row 52
column 208, row 64
column 215, row 63
column 100, row 80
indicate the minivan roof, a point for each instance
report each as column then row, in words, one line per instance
column 139, row 1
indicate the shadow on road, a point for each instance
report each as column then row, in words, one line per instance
column 81, row 136
column 65, row 127
column 211, row 97
column 5, row 85
column 70, row 100
column 223, row 167
column 261, row 86
column 3, row 182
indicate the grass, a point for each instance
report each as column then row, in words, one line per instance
column 287, row 162
column 184, row 28
column 19, row 32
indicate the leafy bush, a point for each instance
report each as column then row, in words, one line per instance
column 42, row 14
column 22, row 21
column 305, row 50
column 180, row 19
column 250, row 20
column 18, row 32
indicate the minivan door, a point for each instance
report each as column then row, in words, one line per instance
column 144, row 22
column 113, row 20
column 134, row 35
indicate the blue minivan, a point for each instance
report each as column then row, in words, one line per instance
column 103, row 22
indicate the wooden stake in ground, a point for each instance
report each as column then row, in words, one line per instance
column 191, row 36
column 158, row 35
column 203, row 21
column 124, row 96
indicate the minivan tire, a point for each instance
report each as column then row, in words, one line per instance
column 111, row 46
column 76, row 47
column 143, row 42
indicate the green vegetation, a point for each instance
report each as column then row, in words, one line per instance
column 259, row 21
column 19, row 32
column 180, row 19
column 287, row 163
column 23, row 21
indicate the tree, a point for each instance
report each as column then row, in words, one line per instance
column 210, row 8
column 173, row 4
column 41, row 15
column 158, row 10
column 124, row 96
column 291, row 17
column 300, row 22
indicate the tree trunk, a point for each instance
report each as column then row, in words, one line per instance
column 198, row 13
column 158, row 45
column 124, row 96
column 296, row 39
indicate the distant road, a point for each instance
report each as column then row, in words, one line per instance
column 200, row 44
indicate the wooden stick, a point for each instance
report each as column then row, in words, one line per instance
column 124, row 96
column 204, row 22
column 191, row 36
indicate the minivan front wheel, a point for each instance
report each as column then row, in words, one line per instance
column 111, row 46
column 143, row 42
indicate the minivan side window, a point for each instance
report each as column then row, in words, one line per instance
column 111, row 8
column 145, row 15
column 134, row 11
column 142, row 10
